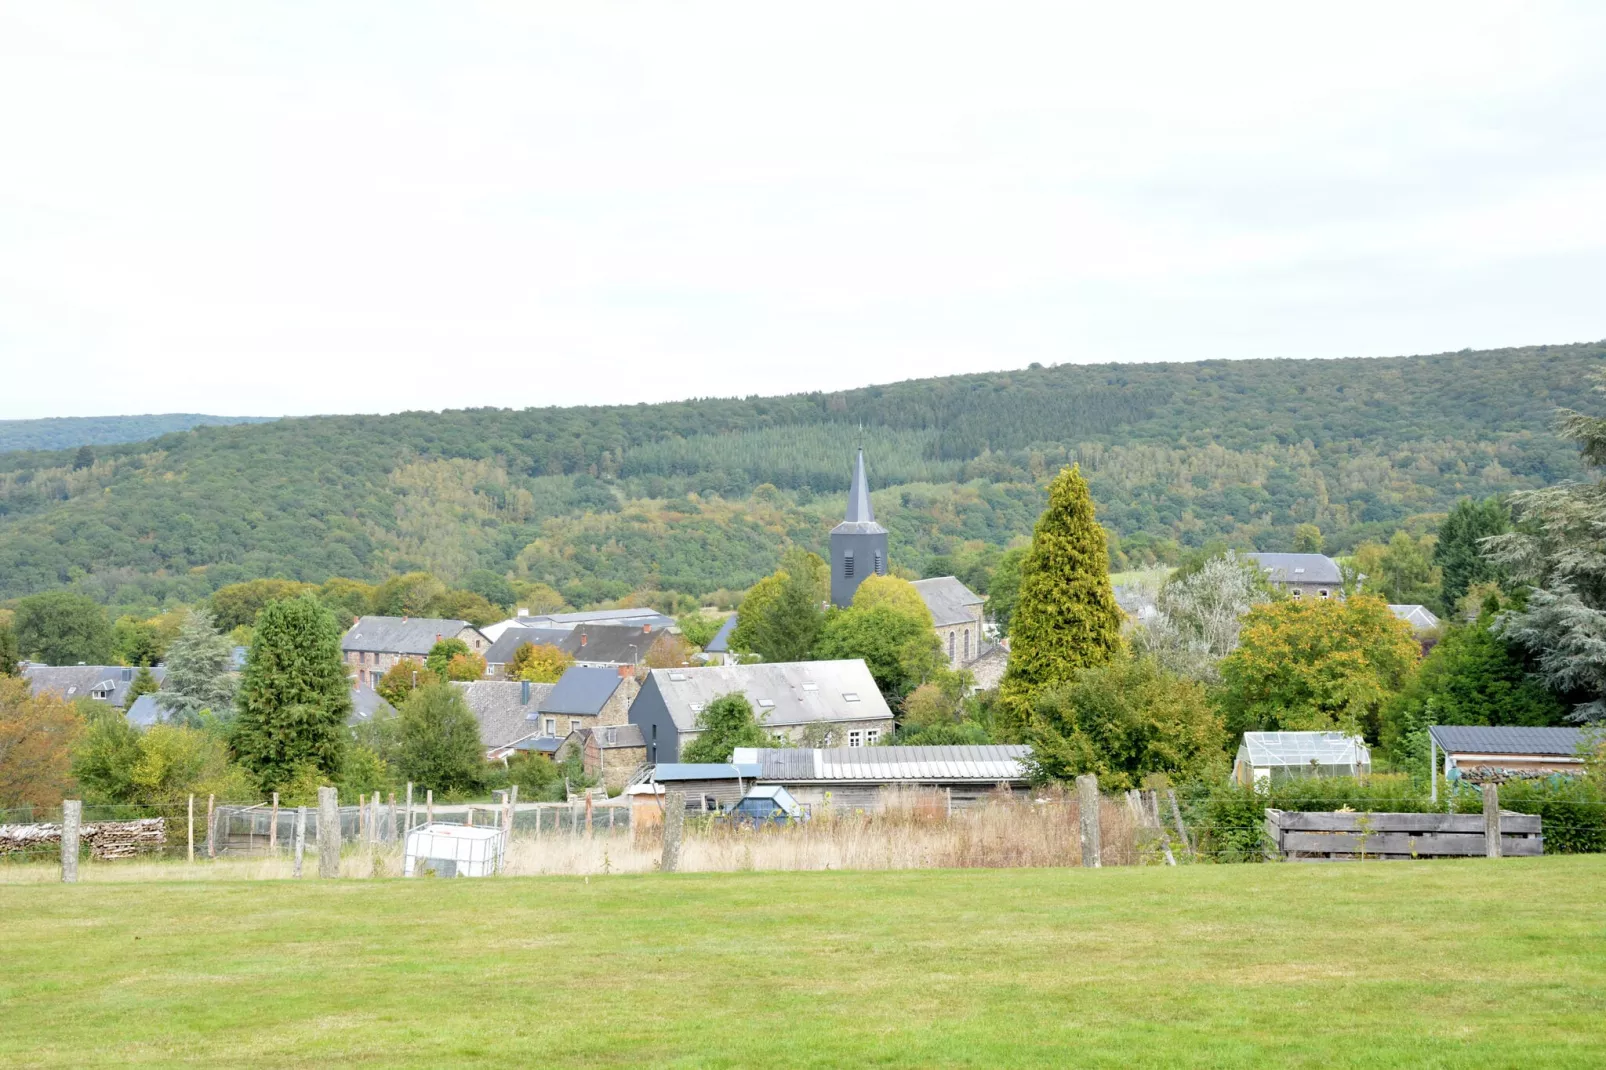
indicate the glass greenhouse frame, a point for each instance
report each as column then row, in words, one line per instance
column 1275, row 756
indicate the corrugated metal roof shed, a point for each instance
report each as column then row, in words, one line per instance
column 1507, row 739
column 673, row 771
column 982, row 764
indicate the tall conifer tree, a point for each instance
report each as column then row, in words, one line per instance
column 1066, row 618
column 294, row 694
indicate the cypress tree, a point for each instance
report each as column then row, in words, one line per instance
column 294, row 694
column 1066, row 618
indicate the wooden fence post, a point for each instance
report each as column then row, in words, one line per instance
column 300, row 840
column 273, row 827
column 588, row 815
column 1176, row 815
column 1087, row 795
column 409, row 827
column 395, row 833
column 1491, row 820
column 211, row 827
column 674, row 824
column 429, row 806
column 328, row 833
column 362, row 817
column 190, row 829
column 72, row 813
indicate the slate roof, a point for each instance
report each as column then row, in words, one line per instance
column 501, row 708
column 1419, row 617
column 797, row 692
column 950, row 601
column 144, row 712
column 1507, row 739
column 881, row 765
column 73, row 682
column 582, row 691
column 539, row 744
column 860, row 518
column 365, row 702
column 638, row 616
column 614, row 736
column 400, row 635
column 1298, row 568
column 721, row 643
column 610, row 644
column 501, row 651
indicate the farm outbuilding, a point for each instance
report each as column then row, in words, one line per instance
column 1505, row 751
column 862, row 778
column 1273, row 756
column 453, row 851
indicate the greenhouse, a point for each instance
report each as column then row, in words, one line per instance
column 1274, row 756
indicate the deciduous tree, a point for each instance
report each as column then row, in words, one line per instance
column 440, row 746
column 539, row 663
column 239, row 603
column 37, row 733
column 63, row 628
column 465, row 667
column 441, row 654
column 725, row 724
column 1316, row 665
column 401, row 679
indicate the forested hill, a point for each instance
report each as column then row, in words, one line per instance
column 697, row 495
column 70, row 432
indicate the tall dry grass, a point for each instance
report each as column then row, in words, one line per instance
column 914, row 831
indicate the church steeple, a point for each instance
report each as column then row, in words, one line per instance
column 859, row 510
column 858, row 544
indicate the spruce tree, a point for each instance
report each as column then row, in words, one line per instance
column 200, row 672
column 294, row 694
column 1066, row 618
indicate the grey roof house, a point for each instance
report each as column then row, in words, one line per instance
column 1419, row 617
column 412, row 636
column 956, row 614
column 500, row 653
column 787, row 697
column 588, row 644
column 1301, row 575
column 103, row 683
column 505, row 710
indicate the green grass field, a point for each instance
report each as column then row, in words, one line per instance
column 1453, row 964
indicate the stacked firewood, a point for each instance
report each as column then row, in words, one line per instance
column 106, row 839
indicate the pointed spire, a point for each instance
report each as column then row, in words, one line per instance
column 859, row 510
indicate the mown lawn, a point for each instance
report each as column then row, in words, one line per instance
column 1454, row 964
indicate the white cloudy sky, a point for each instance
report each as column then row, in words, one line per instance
column 325, row 207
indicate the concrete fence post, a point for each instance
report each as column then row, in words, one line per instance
column 409, row 827
column 395, row 833
column 328, row 833
column 1491, row 820
column 190, row 831
column 211, row 826
column 1087, row 797
column 300, row 840
column 674, row 825
column 72, row 813
column 273, row 827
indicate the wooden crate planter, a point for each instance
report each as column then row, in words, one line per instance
column 1338, row 835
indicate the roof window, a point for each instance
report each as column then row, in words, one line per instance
column 767, row 703
column 677, row 676
column 811, row 687
column 697, row 707
column 850, row 696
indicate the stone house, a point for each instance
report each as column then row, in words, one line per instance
column 585, row 697
column 795, row 701
column 610, row 752
column 103, row 683
column 1301, row 575
column 374, row 644
column 956, row 613
column 506, row 711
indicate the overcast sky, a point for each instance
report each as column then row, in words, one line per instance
column 268, row 209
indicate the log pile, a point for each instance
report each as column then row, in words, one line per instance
column 106, row 839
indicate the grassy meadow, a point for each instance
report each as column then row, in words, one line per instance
column 1451, row 963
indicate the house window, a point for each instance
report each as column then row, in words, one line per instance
column 551, row 726
column 1295, row 593
column 574, row 724
column 950, row 646
column 847, row 564
column 967, row 644
column 1324, row 592
column 871, row 735
column 855, row 739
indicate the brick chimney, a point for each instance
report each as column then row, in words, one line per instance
column 582, row 638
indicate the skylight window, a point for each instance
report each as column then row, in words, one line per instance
column 697, row 707
column 768, row 704
column 677, row 676
column 850, row 696
column 811, row 687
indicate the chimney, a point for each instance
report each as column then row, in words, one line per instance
column 582, row 638
column 524, row 693
column 646, row 629
column 627, row 672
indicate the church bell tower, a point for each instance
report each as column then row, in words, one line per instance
column 858, row 544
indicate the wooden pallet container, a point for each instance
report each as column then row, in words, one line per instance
column 1343, row 836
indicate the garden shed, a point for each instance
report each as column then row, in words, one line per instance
column 453, row 851
column 1273, row 756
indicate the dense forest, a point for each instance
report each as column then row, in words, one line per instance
column 70, row 432
column 699, row 495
